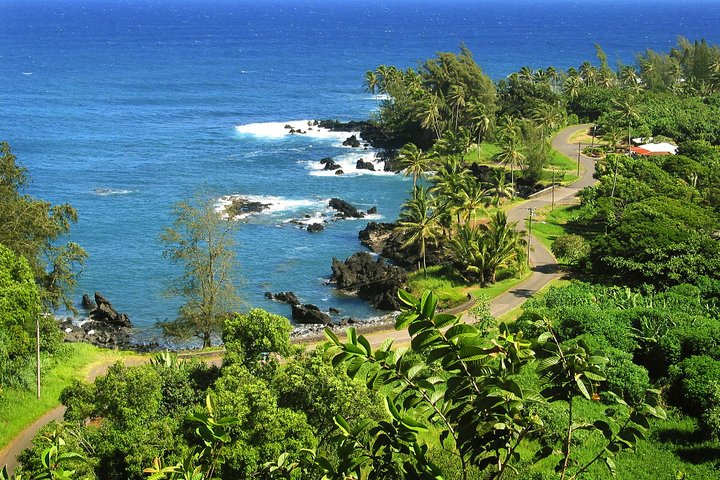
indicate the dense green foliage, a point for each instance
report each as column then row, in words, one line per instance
column 32, row 228
column 447, row 98
column 671, row 338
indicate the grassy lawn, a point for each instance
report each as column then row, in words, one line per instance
column 20, row 407
column 443, row 281
column 562, row 162
column 582, row 136
column 550, row 224
column 487, row 152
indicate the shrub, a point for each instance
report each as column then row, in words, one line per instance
column 694, row 382
column 624, row 377
column 571, row 248
column 698, row 336
column 611, row 328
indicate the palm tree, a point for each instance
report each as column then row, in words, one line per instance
column 472, row 198
column 627, row 111
column 413, row 162
column 429, row 114
column 511, row 155
column 469, row 249
column 572, row 86
column 481, row 121
column 499, row 188
column 371, row 82
column 453, row 142
column 630, row 79
column 418, row 222
column 526, row 74
column 504, row 244
column 449, row 181
column 588, row 73
column 509, row 127
column 456, row 100
column 549, row 117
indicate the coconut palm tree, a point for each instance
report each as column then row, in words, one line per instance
column 511, row 155
column 429, row 114
column 499, row 188
column 549, row 117
column 572, row 86
column 418, row 222
column 370, row 82
column 456, row 100
column 630, row 79
column 472, row 198
column 526, row 74
column 505, row 244
column 480, row 120
column 413, row 162
column 449, row 182
column 509, row 126
column 469, row 249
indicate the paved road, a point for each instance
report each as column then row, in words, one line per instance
column 543, row 264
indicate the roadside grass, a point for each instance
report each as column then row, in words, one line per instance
column 550, row 224
column 451, row 289
column 512, row 315
column 560, row 161
column 582, row 136
column 19, row 407
column 447, row 285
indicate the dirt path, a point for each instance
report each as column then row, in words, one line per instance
column 543, row 264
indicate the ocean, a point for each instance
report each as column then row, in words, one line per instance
column 123, row 108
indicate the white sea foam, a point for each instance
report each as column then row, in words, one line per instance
column 278, row 130
column 275, row 204
column 348, row 164
column 103, row 192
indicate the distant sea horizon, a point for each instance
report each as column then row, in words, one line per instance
column 122, row 108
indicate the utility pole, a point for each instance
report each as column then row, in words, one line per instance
column 552, row 203
column 37, row 353
column 529, row 239
column 578, row 161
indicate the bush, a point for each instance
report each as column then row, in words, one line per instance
column 694, row 382
column 608, row 325
column 625, row 378
column 571, row 248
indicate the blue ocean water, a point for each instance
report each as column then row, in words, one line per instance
column 122, row 108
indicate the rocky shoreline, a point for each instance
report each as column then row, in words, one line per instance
column 371, row 279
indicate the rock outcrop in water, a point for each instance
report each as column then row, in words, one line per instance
column 106, row 327
column 310, row 314
column 345, row 209
column 329, row 163
column 363, row 165
column 372, row 280
column 240, row 206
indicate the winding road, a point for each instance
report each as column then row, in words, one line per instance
column 544, row 270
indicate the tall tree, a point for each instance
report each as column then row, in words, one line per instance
column 413, row 162
column 418, row 222
column 505, row 245
column 511, row 155
column 200, row 241
column 33, row 228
